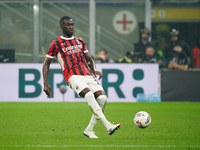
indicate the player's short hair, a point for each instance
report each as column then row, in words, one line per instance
column 63, row 18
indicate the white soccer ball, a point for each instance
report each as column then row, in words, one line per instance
column 142, row 119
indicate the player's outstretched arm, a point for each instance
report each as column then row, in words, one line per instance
column 45, row 72
column 92, row 66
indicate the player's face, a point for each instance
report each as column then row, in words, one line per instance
column 67, row 27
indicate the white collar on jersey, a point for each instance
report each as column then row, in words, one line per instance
column 67, row 38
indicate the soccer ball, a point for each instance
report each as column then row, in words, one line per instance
column 142, row 119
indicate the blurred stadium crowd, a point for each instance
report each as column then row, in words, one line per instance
column 173, row 54
column 173, row 41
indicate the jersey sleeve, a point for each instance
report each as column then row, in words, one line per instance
column 85, row 50
column 53, row 50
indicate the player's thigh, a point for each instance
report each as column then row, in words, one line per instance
column 94, row 85
column 77, row 83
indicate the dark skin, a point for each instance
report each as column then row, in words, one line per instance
column 67, row 27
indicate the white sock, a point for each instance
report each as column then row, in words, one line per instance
column 92, row 123
column 96, row 109
column 101, row 100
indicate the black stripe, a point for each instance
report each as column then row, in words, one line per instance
column 76, row 55
column 65, row 58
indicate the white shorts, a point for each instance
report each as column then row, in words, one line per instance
column 78, row 82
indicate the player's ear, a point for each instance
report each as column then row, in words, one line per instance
column 61, row 26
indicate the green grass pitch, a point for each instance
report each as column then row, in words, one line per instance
column 59, row 126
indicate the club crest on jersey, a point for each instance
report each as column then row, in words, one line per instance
column 77, row 87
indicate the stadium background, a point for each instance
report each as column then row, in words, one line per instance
column 30, row 120
column 33, row 30
column 28, row 27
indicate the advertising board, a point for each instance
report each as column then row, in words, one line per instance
column 121, row 82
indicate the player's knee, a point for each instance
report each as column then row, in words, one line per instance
column 102, row 100
column 84, row 92
column 89, row 96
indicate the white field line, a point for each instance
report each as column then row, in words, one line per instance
column 156, row 146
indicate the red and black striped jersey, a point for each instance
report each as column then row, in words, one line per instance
column 70, row 55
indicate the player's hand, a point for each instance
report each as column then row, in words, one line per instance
column 97, row 73
column 47, row 89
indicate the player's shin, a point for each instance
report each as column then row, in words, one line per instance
column 96, row 108
column 92, row 123
column 101, row 100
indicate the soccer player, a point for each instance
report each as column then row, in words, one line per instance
column 75, row 61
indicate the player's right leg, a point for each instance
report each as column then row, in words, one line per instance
column 89, row 96
column 94, row 106
column 89, row 129
column 78, row 85
column 101, row 100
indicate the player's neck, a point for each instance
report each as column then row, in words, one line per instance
column 67, row 38
column 67, row 35
column 64, row 35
